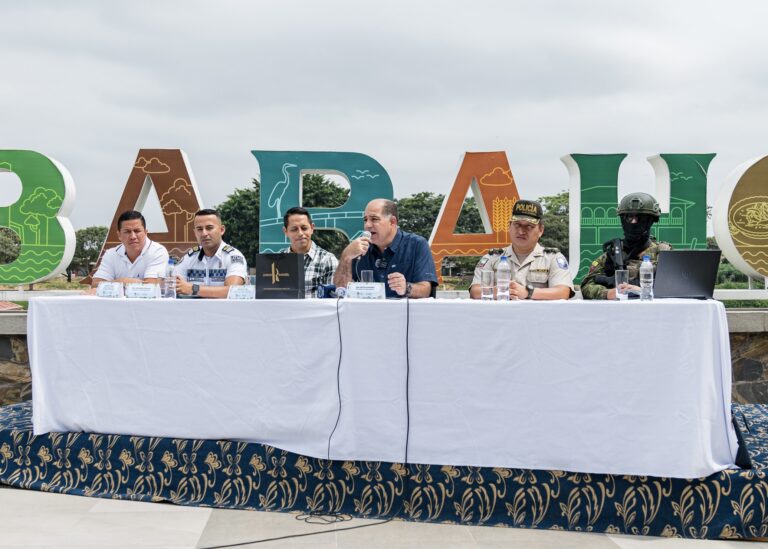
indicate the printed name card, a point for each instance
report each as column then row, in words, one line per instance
column 139, row 290
column 245, row 292
column 366, row 290
column 109, row 289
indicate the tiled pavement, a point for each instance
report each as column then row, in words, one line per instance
column 36, row 519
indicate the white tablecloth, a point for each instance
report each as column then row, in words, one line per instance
column 623, row 388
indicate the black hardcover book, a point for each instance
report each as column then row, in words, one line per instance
column 280, row 276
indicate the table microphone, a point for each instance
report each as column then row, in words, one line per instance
column 331, row 291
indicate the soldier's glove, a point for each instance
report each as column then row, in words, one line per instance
column 607, row 281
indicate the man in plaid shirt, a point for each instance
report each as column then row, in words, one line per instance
column 319, row 264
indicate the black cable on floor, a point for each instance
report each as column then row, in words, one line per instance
column 332, row 518
column 241, row 544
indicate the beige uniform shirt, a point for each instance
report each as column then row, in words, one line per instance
column 543, row 268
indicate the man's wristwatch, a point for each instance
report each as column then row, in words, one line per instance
column 195, row 289
column 408, row 289
column 530, row 289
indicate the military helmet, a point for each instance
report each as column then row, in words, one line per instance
column 639, row 203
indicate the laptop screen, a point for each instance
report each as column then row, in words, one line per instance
column 686, row 273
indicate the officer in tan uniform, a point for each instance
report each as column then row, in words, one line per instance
column 537, row 272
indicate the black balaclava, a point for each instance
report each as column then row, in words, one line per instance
column 637, row 236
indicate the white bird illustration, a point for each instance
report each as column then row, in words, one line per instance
column 276, row 196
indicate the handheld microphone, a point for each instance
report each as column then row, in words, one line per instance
column 364, row 234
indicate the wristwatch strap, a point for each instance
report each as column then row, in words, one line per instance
column 530, row 289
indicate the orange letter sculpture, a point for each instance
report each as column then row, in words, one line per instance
column 489, row 176
column 168, row 171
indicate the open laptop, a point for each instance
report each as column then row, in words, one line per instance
column 686, row 273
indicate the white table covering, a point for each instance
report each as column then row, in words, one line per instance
column 622, row 388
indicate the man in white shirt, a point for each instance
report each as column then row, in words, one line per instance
column 136, row 259
column 209, row 269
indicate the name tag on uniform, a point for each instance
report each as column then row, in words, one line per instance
column 244, row 292
column 109, row 289
column 139, row 290
column 366, row 290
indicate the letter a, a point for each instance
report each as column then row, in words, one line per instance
column 169, row 172
column 489, row 176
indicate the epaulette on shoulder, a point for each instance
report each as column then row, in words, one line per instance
column 551, row 250
column 496, row 251
column 194, row 250
column 227, row 249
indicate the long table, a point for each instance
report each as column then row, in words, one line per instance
column 594, row 387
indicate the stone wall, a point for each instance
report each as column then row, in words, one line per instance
column 15, row 379
column 749, row 356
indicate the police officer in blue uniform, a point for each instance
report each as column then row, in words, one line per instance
column 207, row 270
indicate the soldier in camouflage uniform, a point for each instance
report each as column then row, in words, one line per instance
column 537, row 272
column 638, row 212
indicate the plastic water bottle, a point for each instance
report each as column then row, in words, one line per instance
column 646, row 279
column 170, row 280
column 503, row 276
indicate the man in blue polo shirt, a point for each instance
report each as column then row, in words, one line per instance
column 401, row 260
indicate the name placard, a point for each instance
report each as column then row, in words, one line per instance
column 366, row 290
column 139, row 290
column 110, row 289
column 244, row 292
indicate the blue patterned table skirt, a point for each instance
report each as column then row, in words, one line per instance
column 238, row 475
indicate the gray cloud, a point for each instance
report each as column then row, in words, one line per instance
column 412, row 84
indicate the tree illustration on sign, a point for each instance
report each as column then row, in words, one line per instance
column 40, row 207
column 180, row 191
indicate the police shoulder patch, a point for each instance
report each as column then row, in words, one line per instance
column 483, row 262
column 237, row 258
column 562, row 262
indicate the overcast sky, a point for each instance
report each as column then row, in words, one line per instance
column 412, row 84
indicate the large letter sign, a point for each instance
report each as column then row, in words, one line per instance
column 39, row 217
column 281, row 189
column 681, row 189
column 741, row 218
column 168, row 171
column 490, row 178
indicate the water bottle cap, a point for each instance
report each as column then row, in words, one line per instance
column 503, row 258
column 646, row 258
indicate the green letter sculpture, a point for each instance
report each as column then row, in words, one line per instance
column 39, row 217
column 681, row 189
